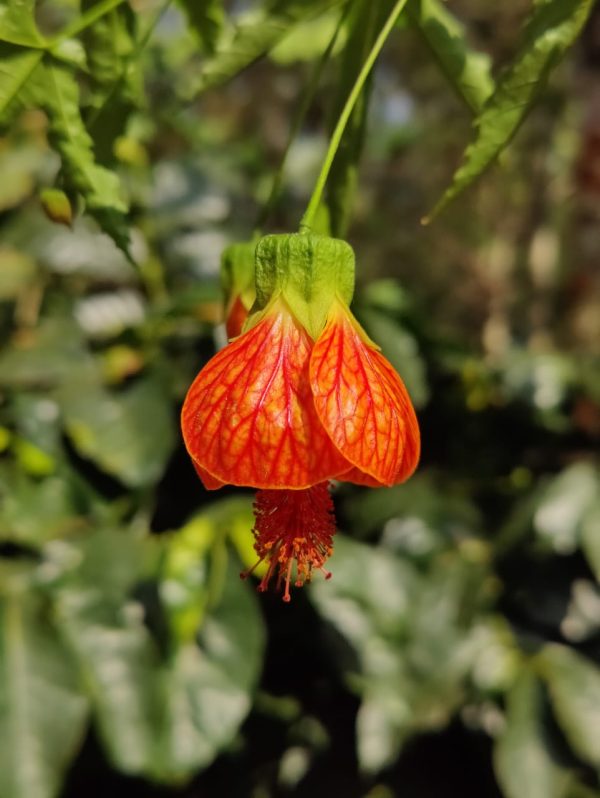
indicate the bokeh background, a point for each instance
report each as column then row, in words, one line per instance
column 456, row 651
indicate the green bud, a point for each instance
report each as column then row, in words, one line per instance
column 237, row 272
column 56, row 206
column 308, row 271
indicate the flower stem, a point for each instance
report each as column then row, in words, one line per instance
column 336, row 137
column 302, row 108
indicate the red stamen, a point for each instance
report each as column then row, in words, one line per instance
column 293, row 526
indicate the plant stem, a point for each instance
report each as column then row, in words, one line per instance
column 305, row 101
column 336, row 137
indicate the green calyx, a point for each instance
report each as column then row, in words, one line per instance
column 237, row 272
column 308, row 271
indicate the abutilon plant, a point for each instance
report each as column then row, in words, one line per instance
column 302, row 397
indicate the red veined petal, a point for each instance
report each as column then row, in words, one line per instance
column 363, row 404
column 249, row 418
column 209, row 482
column 358, row 477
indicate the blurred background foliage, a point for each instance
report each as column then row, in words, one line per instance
column 456, row 651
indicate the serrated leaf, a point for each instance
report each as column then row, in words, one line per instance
column 207, row 20
column 28, row 81
column 116, row 82
column 467, row 70
column 574, row 686
column 99, row 187
column 254, row 35
column 17, row 24
column 552, row 29
column 523, row 758
column 43, row 715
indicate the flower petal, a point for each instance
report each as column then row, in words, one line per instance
column 249, row 418
column 363, row 404
column 209, row 482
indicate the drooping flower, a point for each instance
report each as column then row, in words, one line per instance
column 300, row 398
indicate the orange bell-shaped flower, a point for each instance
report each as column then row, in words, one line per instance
column 300, row 398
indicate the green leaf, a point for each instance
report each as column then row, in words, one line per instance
column 552, row 29
column 523, row 757
column 574, row 685
column 17, row 24
column 467, row 71
column 116, row 82
column 17, row 67
column 129, row 434
column 207, row 20
column 43, row 716
column 99, row 187
column 255, row 34
column 27, row 81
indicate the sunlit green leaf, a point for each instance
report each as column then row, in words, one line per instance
column 99, row 187
column 254, row 35
column 574, row 685
column 18, row 69
column 43, row 715
column 467, row 70
column 552, row 29
column 17, row 23
column 523, row 757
